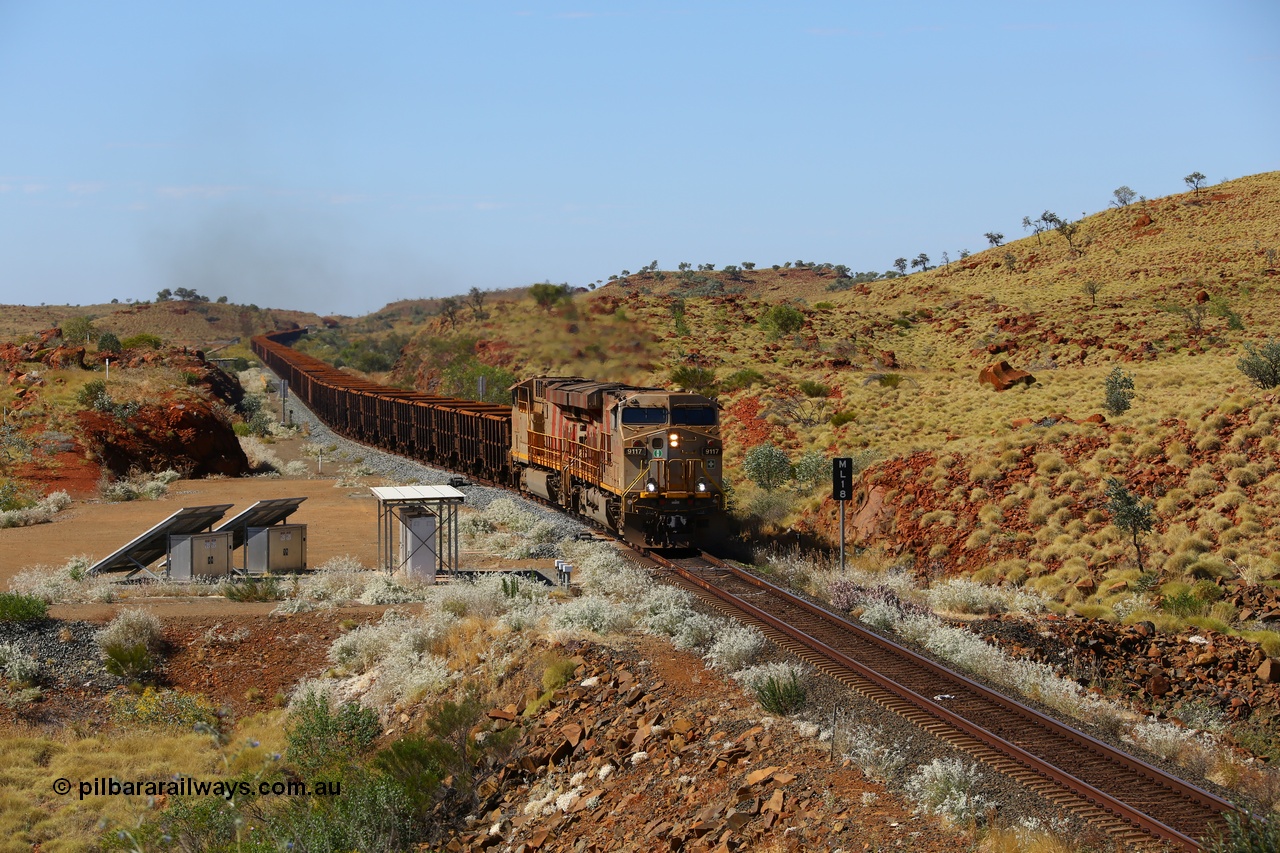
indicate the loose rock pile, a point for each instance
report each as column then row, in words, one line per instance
column 1151, row 668
column 619, row 760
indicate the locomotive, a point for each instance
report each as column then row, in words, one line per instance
column 643, row 462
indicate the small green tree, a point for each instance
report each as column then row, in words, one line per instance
column 546, row 294
column 781, row 320
column 995, row 238
column 1129, row 512
column 475, row 298
column 449, row 311
column 767, row 466
column 922, row 261
column 1261, row 364
column 1036, row 226
column 1092, row 288
column 108, row 342
column 813, row 468
column 1118, row 392
column 900, row 264
column 1195, row 180
column 78, row 330
column 1123, row 197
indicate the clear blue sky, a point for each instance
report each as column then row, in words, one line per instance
column 338, row 156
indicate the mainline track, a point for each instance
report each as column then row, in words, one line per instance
column 1130, row 799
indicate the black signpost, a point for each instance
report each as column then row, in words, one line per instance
column 842, row 491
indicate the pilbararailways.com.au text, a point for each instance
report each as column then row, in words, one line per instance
column 186, row 786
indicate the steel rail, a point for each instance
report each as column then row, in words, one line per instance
column 1040, row 766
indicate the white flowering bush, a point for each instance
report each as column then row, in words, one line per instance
column 696, row 632
column 406, row 676
column 483, row 597
column 1172, row 743
column 364, row 647
column 962, row 595
column 383, row 590
column 875, row 753
column 326, row 689
column 338, row 579
column 734, row 647
column 753, row 678
column 664, row 609
column 592, row 613
column 945, row 787
column 138, row 487
column 55, row 585
column 131, row 627
column 43, row 511
column 18, row 666
column 506, row 515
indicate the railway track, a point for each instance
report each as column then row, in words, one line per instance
column 1132, row 801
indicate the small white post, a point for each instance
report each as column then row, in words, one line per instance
column 108, row 368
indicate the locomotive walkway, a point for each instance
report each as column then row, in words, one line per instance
column 1134, row 802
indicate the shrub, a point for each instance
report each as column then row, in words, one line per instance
column 777, row 686
column 252, row 589
column 15, row 607
column 108, row 342
column 699, row 380
column 744, row 378
column 844, row 594
column 130, row 643
column 813, row 468
column 1129, row 512
column 1118, row 392
column 735, row 647
column 767, row 466
column 781, row 320
column 143, row 340
column 131, row 662
column 172, row 708
column 592, row 613
column 1245, row 834
column 945, row 788
column 18, row 666
column 1261, row 364
column 841, row 418
column 319, row 737
column 558, row 672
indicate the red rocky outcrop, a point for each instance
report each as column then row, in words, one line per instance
column 1001, row 376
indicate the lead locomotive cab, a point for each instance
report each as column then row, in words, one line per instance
column 644, row 462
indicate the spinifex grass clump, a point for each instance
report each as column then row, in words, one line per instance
column 131, row 644
column 781, row 696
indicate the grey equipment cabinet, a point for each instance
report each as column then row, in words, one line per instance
column 280, row 548
column 200, row 556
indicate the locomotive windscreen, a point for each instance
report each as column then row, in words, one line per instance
column 693, row 415
column 640, row 415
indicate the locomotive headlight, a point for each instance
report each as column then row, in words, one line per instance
column 651, row 487
column 674, row 439
column 702, row 486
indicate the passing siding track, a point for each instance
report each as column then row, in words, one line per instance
column 1134, row 802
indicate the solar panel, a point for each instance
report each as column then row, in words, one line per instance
column 154, row 544
column 262, row 514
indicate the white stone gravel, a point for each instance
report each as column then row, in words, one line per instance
column 403, row 471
